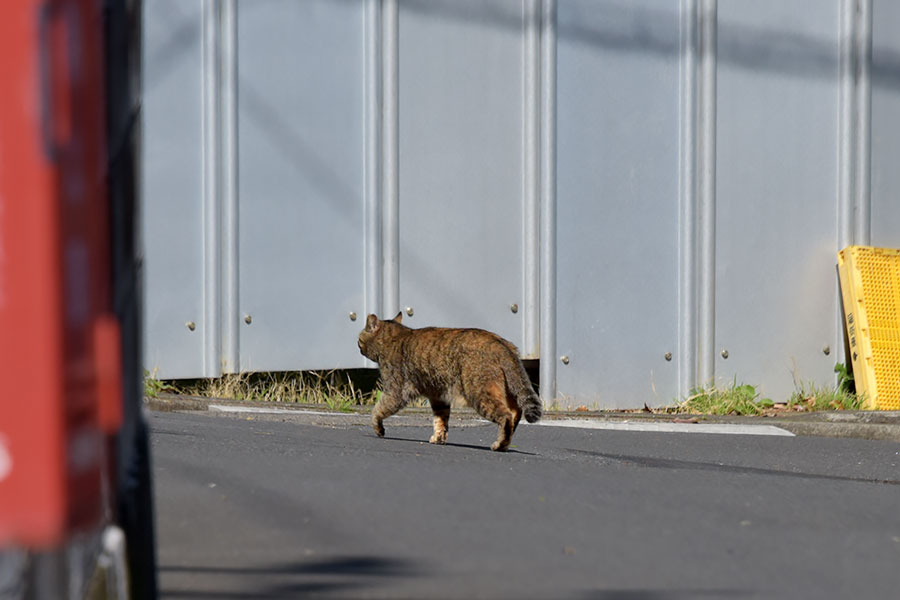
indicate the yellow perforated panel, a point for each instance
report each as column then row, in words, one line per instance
column 870, row 287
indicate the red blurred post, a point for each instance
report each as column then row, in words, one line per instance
column 58, row 343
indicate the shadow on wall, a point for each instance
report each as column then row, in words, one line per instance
column 623, row 27
column 285, row 580
column 617, row 27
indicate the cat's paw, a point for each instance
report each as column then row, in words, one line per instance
column 438, row 439
column 379, row 428
column 498, row 447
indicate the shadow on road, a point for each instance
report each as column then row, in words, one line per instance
column 666, row 463
column 456, row 445
column 289, row 579
column 664, row 594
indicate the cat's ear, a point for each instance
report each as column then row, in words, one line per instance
column 398, row 318
column 372, row 323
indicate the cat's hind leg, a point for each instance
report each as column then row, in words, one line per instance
column 504, row 435
column 441, row 412
column 491, row 403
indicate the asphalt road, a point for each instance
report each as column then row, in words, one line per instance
column 252, row 508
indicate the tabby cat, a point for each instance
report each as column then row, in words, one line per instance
column 442, row 364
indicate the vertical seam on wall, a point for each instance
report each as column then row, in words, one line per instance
column 229, row 185
column 390, row 156
column 846, row 122
column 707, row 192
column 687, row 247
column 846, row 147
column 863, row 121
column 548, row 201
column 372, row 158
column 211, row 213
column 854, row 134
column 531, row 178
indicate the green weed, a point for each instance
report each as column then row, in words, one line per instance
column 737, row 399
column 153, row 387
column 845, row 381
column 334, row 389
column 810, row 397
column 744, row 399
column 339, row 403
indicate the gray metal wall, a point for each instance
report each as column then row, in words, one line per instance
column 646, row 194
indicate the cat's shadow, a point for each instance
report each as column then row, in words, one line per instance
column 458, row 445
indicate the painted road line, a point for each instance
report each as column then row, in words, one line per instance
column 271, row 411
column 720, row 428
column 716, row 428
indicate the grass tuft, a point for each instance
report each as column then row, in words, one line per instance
column 809, row 397
column 333, row 389
column 744, row 399
column 153, row 387
column 737, row 399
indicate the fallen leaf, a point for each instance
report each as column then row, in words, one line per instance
column 647, row 408
column 691, row 420
column 582, row 408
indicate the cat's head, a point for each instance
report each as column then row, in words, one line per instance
column 371, row 339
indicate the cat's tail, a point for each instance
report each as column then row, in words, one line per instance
column 519, row 385
column 531, row 407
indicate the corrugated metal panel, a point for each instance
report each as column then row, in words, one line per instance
column 617, row 194
column 775, row 199
column 461, row 173
column 173, row 187
column 303, row 160
column 885, row 124
column 300, row 168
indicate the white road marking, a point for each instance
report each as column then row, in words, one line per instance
column 719, row 428
column 270, row 411
column 723, row 428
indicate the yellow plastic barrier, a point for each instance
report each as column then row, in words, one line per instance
column 870, row 287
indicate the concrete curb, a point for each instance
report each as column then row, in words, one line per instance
column 869, row 425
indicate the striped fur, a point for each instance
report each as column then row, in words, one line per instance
column 443, row 364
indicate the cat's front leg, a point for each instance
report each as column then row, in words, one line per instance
column 441, row 412
column 380, row 413
column 377, row 425
column 390, row 402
